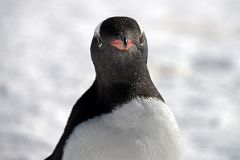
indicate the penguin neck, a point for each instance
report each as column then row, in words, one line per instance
column 137, row 85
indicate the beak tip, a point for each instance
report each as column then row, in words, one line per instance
column 123, row 44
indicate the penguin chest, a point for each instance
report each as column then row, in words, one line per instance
column 143, row 129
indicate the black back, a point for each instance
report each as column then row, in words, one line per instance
column 120, row 75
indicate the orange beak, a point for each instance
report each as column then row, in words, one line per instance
column 122, row 45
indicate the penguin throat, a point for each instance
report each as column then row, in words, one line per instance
column 119, row 92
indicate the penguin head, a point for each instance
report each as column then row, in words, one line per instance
column 119, row 50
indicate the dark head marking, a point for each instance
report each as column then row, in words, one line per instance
column 118, row 49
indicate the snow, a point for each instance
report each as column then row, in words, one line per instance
column 45, row 66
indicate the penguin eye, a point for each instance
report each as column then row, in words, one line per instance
column 141, row 38
column 99, row 41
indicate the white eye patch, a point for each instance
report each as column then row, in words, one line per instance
column 97, row 30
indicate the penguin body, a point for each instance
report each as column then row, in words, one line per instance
column 121, row 116
column 142, row 129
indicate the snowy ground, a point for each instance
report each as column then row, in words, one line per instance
column 45, row 66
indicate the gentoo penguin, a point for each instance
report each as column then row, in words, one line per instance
column 121, row 116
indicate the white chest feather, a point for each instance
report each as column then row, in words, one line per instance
column 143, row 129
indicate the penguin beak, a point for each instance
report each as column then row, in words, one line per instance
column 122, row 44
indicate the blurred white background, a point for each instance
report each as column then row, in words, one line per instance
column 45, row 66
